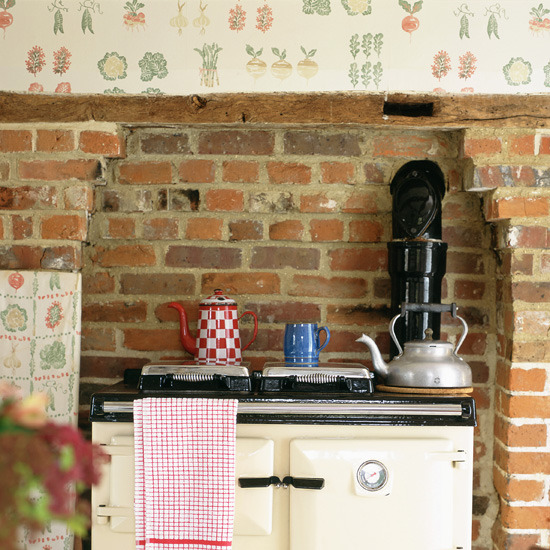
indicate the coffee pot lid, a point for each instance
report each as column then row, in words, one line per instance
column 218, row 299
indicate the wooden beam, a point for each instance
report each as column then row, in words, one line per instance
column 400, row 110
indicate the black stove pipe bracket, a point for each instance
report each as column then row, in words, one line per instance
column 417, row 256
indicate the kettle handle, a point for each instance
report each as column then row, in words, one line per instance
column 429, row 308
column 255, row 327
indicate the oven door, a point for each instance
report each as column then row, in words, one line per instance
column 113, row 499
column 378, row 493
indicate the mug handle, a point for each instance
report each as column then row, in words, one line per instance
column 255, row 327
column 327, row 337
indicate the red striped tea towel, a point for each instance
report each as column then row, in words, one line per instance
column 184, row 473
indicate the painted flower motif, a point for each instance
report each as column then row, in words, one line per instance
column 54, row 315
column 14, row 318
column 237, row 18
column 36, row 59
column 356, row 7
column 113, row 66
column 517, row 71
column 264, row 20
column 61, row 60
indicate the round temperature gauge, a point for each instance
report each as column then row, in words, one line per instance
column 372, row 475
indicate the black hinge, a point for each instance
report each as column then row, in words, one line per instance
column 296, row 482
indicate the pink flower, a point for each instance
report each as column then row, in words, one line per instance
column 29, row 412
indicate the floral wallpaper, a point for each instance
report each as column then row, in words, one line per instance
column 193, row 46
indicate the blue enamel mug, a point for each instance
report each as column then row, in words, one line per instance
column 302, row 343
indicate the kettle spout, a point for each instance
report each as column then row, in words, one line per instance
column 187, row 340
column 380, row 367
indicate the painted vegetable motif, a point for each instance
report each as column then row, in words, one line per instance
column 264, row 19
column 307, row 68
column 179, row 21
column 281, row 68
column 370, row 71
column 441, row 65
column 356, row 7
column 88, row 7
column 151, row 65
column 517, row 71
column 6, row 18
column 201, row 22
column 494, row 11
column 57, row 8
column 256, row 67
column 410, row 23
column 464, row 13
column 209, row 69
column 538, row 22
column 133, row 18
column 320, row 7
column 113, row 66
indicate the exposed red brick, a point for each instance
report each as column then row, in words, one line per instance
column 26, row 198
column 322, row 287
column 210, row 257
column 242, row 283
column 209, row 229
column 273, row 257
column 522, row 145
column 525, row 517
column 517, row 489
column 374, row 173
column 306, row 142
column 511, row 207
column 465, row 262
column 165, row 143
column 160, row 228
column 21, row 227
column 152, row 339
column 236, row 142
column 361, row 202
column 4, row 171
column 224, row 200
column 337, row 172
column 121, row 228
column 102, row 143
column 358, row 315
column 55, row 141
column 285, row 312
column 318, row 203
column 14, row 141
column 469, row 290
column 287, row 230
column 544, row 148
column 482, row 146
column 240, row 171
column 78, row 198
column 63, row 258
column 97, row 283
column 505, row 540
column 525, row 406
column 288, row 172
column 197, row 171
column 145, row 172
column 166, row 284
column 125, row 255
column 365, row 231
column 525, row 236
column 409, row 145
column 58, row 170
column 114, row 312
column 65, row 226
column 488, row 177
column 358, row 259
column 326, row 230
column 524, row 435
column 98, row 339
column 246, row 230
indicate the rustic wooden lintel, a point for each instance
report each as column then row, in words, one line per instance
column 394, row 110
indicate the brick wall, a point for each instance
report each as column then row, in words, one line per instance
column 293, row 223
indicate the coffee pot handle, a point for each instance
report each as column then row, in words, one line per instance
column 327, row 337
column 255, row 327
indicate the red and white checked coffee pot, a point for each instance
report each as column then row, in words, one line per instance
column 218, row 341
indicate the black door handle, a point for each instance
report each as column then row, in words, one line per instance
column 305, row 482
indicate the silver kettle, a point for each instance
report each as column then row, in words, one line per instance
column 423, row 363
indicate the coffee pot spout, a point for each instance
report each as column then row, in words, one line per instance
column 380, row 367
column 187, row 341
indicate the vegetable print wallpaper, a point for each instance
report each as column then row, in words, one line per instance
column 198, row 46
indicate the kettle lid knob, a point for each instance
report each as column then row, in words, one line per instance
column 429, row 334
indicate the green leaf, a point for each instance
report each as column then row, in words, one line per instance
column 406, row 6
column 10, row 4
column 417, row 7
column 250, row 50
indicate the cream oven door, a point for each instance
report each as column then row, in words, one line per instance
column 378, row 493
column 113, row 498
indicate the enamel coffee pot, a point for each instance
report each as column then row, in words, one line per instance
column 218, row 341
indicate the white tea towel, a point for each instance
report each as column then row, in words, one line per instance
column 185, row 473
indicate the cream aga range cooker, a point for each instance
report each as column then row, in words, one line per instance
column 323, row 461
